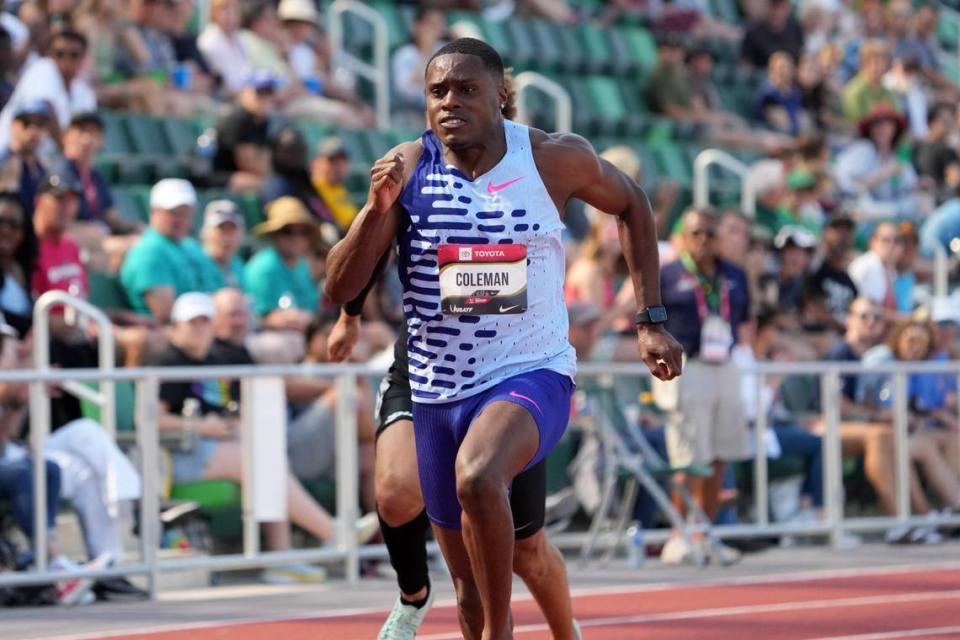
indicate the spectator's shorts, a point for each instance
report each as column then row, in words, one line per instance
column 191, row 466
column 311, row 442
column 441, row 428
column 706, row 420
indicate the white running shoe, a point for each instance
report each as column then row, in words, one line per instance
column 366, row 527
column 404, row 620
column 76, row 591
column 677, row 550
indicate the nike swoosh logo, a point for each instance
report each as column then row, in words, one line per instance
column 504, row 309
column 514, row 394
column 494, row 188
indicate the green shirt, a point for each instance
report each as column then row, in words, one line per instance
column 668, row 87
column 157, row 261
column 859, row 96
column 269, row 280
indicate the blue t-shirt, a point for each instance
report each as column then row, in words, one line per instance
column 843, row 352
column 683, row 318
column 929, row 391
column 769, row 96
column 96, row 199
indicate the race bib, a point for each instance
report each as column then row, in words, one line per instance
column 715, row 340
column 483, row 279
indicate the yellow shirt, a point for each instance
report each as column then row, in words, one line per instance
column 337, row 199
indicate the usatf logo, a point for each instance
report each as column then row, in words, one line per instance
column 466, row 253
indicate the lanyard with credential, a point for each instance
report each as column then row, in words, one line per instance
column 703, row 310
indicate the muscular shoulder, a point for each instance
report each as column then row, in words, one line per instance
column 565, row 160
column 411, row 152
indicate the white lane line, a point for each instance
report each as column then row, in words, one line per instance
column 719, row 612
column 792, row 577
column 906, row 633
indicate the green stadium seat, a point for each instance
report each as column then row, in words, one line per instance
column 541, row 35
column 597, row 48
column 354, row 143
column 396, row 24
column 642, row 47
column 106, row 292
column 376, row 142
column 180, row 135
column 622, row 62
column 725, row 10
column 133, row 202
column 313, row 133
column 524, row 50
column 125, row 406
column 948, row 34
column 672, row 162
column 146, row 135
column 495, row 34
column 115, row 140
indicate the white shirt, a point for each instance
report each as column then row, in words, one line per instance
column 870, row 276
column 303, row 60
column 42, row 81
column 226, row 56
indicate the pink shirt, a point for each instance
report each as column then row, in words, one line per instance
column 59, row 267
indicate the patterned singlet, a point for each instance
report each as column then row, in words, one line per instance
column 477, row 310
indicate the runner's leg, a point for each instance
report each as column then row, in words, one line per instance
column 498, row 445
column 470, row 609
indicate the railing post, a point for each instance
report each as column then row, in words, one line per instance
column 901, row 447
column 941, row 269
column 563, row 114
column 760, row 476
column 701, row 179
column 378, row 71
column 832, row 457
column 251, row 527
column 148, row 439
column 347, row 472
column 39, row 429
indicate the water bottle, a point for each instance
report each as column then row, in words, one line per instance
column 204, row 152
column 192, row 415
column 636, row 550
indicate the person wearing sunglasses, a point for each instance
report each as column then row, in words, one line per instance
column 54, row 80
column 278, row 277
column 242, row 160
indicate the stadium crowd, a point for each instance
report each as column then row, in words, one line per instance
column 854, row 132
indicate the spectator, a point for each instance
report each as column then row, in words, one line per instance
column 278, row 277
column 222, row 234
column 703, row 90
column 870, row 173
column 54, row 80
column 873, row 272
column 329, row 171
column 831, row 281
column 109, row 34
column 820, row 90
column 707, row 301
column 21, row 168
column 165, row 263
column 920, row 44
column 15, row 301
column 409, row 62
column 195, row 74
column 99, row 229
column 301, row 22
column 291, row 177
column 211, row 449
column 866, row 89
column 770, row 184
column 778, row 104
column 776, row 31
column 7, row 67
column 941, row 228
column 157, row 54
column 593, row 275
column 242, row 161
column 935, row 159
column 59, row 267
column 223, row 48
column 795, row 246
column 906, row 83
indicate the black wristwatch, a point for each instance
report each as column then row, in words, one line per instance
column 652, row 315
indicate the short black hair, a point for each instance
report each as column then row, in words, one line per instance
column 491, row 60
column 11, row 197
column 937, row 109
column 85, row 119
column 69, row 34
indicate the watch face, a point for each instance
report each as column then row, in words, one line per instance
column 657, row 314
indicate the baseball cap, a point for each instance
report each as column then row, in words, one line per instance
column 87, row 118
column 171, row 193
column 796, row 236
column 298, row 11
column 192, row 305
column 262, row 80
column 218, row 212
column 58, row 185
column 582, row 312
column 32, row 108
column 332, row 147
column 945, row 309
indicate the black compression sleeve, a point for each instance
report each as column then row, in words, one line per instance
column 355, row 306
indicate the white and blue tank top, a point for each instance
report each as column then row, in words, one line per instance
column 498, row 316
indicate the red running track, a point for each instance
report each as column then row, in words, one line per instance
column 877, row 605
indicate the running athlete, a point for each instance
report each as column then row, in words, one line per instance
column 476, row 203
column 403, row 521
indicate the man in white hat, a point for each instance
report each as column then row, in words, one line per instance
column 301, row 21
column 166, row 262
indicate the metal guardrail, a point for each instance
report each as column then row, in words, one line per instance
column 563, row 106
column 347, row 552
column 40, row 401
column 701, row 179
column 376, row 71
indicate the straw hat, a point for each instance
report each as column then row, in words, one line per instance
column 284, row 212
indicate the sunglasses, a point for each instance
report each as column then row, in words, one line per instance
column 11, row 223
column 29, row 122
column 294, row 230
column 266, row 92
column 68, row 54
column 869, row 316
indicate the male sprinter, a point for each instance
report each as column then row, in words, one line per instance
column 476, row 205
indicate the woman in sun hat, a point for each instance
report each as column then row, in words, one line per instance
column 870, row 173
